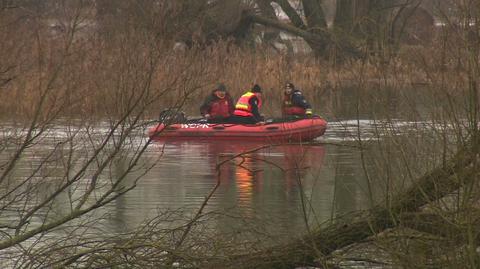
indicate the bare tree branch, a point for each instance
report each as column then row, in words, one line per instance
column 292, row 14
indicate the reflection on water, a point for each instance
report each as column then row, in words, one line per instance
column 280, row 184
column 244, row 179
column 264, row 184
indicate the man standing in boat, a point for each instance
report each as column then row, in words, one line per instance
column 294, row 103
column 218, row 106
column 247, row 109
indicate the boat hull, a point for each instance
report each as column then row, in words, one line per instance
column 291, row 131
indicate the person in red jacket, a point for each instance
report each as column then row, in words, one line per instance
column 218, row 106
column 247, row 109
column 294, row 103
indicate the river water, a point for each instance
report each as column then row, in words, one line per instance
column 281, row 189
column 290, row 185
column 282, row 184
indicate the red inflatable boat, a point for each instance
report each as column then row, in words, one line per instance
column 289, row 131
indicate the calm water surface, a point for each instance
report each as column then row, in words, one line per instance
column 274, row 190
column 279, row 183
column 288, row 185
column 282, row 184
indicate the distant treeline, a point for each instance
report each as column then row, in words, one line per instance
column 95, row 68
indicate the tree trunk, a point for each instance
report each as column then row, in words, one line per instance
column 375, row 27
column 268, row 11
column 343, row 20
column 444, row 226
column 292, row 14
column 319, row 40
column 314, row 15
column 346, row 231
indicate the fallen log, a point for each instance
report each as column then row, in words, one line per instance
column 445, row 226
column 342, row 232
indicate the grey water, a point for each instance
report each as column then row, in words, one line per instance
column 290, row 185
column 282, row 189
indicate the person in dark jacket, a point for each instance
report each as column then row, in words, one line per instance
column 247, row 109
column 218, row 106
column 294, row 103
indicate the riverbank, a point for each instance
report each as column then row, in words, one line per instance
column 99, row 78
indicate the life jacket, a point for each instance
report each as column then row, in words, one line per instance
column 290, row 109
column 243, row 107
column 219, row 108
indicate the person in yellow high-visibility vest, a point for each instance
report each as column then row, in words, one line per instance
column 247, row 109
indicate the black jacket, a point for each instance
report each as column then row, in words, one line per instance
column 254, row 103
column 298, row 99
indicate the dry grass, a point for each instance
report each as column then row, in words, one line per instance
column 90, row 76
column 98, row 76
column 86, row 73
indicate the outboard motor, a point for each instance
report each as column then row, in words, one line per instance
column 171, row 116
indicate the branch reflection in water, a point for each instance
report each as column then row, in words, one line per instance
column 266, row 183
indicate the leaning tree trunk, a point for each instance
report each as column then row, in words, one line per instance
column 292, row 14
column 316, row 24
column 318, row 41
column 268, row 11
column 344, row 232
